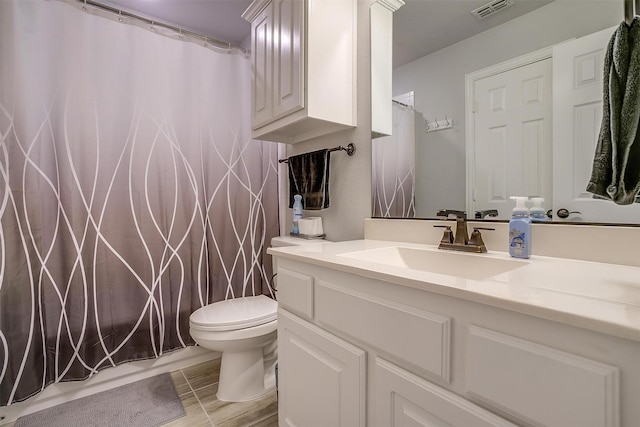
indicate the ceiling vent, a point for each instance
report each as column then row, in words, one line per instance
column 491, row 8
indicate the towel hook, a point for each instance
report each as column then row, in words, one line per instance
column 437, row 124
column 447, row 120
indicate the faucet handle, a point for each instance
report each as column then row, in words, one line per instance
column 447, row 237
column 476, row 238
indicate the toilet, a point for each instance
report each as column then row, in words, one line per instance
column 244, row 330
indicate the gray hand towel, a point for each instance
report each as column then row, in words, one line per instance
column 616, row 166
column 309, row 177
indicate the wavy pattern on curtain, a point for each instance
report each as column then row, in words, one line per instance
column 131, row 192
column 393, row 168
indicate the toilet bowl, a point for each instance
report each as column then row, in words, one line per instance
column 244, row 331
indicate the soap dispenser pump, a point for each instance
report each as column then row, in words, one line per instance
column 537, row 211
column 520, row 230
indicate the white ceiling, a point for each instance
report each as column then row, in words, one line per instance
column 420, row 26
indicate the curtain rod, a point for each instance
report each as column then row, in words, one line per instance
column 205, row 39
column 350, row 149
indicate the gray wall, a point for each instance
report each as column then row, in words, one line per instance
column 350, row 179
column 438, row 81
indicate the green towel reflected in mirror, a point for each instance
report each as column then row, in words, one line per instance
column 616, row 166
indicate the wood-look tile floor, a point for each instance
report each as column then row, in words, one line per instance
column 197, row 386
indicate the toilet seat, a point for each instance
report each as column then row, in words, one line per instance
column 234, row 314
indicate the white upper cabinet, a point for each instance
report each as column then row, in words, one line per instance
column 304, row 68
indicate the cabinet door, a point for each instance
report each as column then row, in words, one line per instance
column 262, row 57
column 288, row 57
column 404, row 399
column 539, row 384
column 321, row 377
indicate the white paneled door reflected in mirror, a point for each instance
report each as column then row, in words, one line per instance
column 536, row 132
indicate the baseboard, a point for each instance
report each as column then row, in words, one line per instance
column 106, row 379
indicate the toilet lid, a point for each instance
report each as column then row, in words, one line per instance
column 237, row 313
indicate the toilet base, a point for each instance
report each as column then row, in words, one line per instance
column 242, row 376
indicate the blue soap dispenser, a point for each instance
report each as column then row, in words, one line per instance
column 537, row 211
column 520, row 230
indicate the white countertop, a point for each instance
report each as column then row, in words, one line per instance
column 591, row 295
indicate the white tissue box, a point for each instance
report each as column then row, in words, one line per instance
column 311, row 226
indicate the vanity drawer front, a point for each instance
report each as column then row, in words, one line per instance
column 402, row 398
column 295, row 292
column 539, row 384
column 406, row 334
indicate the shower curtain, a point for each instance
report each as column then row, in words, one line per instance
column 393, row 168
column 131, row 193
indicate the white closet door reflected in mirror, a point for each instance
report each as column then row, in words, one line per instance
column 523, row 113
column 509, row 146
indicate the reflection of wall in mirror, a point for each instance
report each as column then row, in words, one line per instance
column 438, row 82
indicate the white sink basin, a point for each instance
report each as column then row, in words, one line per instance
column 457, row 264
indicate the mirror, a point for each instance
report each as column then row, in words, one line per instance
column 437, row 79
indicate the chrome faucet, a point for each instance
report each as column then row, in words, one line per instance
column 461, row 241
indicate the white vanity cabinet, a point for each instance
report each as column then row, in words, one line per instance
column 354, row 351
column 304, row 68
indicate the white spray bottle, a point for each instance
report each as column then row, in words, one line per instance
column 297, row 213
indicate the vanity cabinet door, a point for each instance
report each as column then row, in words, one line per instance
column 404, row 399
column 540, row 384
column 321, row 377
